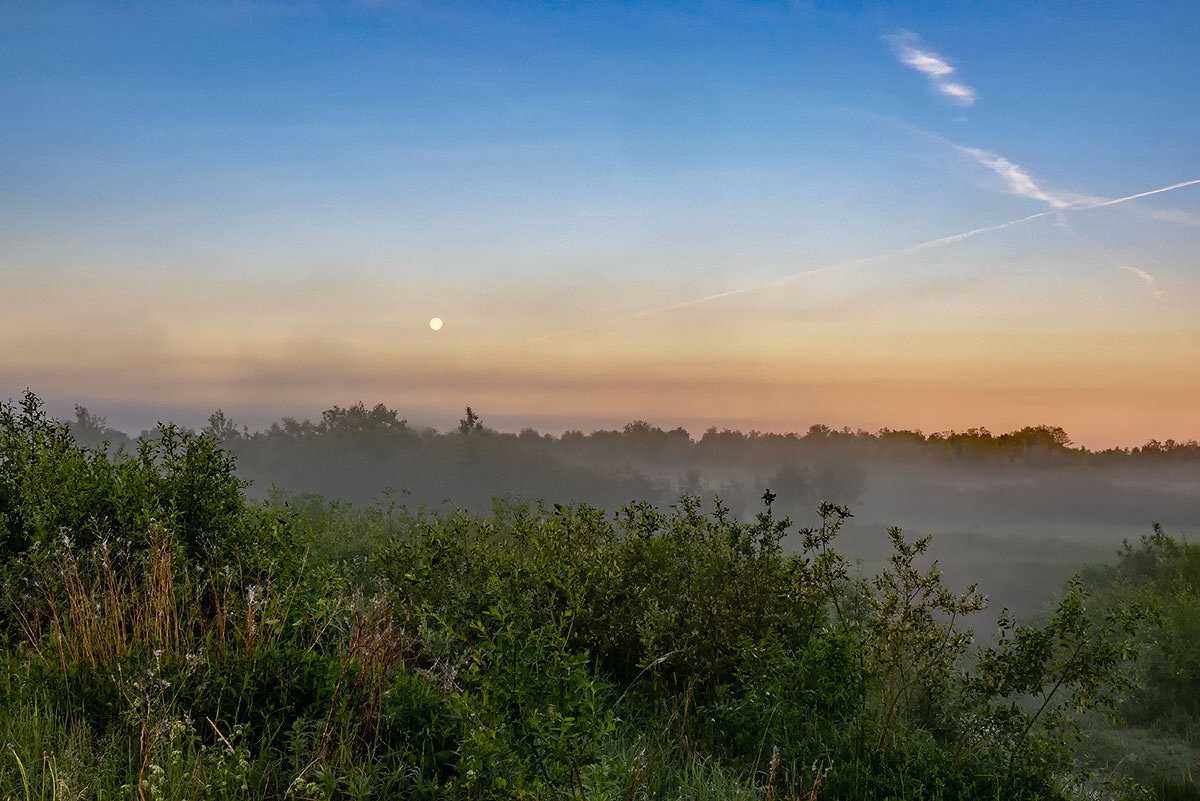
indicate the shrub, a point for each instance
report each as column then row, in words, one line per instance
column 164, row 638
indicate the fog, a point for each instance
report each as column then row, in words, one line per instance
column 1018, row 513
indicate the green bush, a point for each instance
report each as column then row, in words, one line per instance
column 1161, row 573
column 53, row 491
column 164, row 638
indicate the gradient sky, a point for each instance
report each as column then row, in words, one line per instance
column 696, row 214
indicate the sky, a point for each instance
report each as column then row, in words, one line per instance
column 754, row 215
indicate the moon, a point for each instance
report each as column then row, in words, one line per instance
column 436, row 323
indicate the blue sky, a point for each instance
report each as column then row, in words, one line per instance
column 260, row 205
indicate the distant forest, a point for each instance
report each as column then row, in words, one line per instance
column 358, row 452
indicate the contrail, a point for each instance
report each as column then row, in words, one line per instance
column 933, row 243
column 787, row 279
column 1145, row 194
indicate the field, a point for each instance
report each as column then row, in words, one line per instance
column 167, row 637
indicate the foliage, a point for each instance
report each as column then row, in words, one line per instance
column 166, row 638
column 52, row 489
column 1162, row 573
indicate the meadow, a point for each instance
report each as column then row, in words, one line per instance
column 164, row 635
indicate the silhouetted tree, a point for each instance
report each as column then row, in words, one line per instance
column 92, row 431
column 470, row 423
column 221, row 428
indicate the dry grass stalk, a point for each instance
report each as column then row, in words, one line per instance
column 774, row 774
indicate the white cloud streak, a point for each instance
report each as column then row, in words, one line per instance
column 1016, row 180
column 1146, row 278
column 1019, row 182
column 907, row 47
column 1094, row 203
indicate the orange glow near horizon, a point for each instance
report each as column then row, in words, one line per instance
column 752, row 370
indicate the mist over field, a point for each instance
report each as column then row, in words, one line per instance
column 1015, row 513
